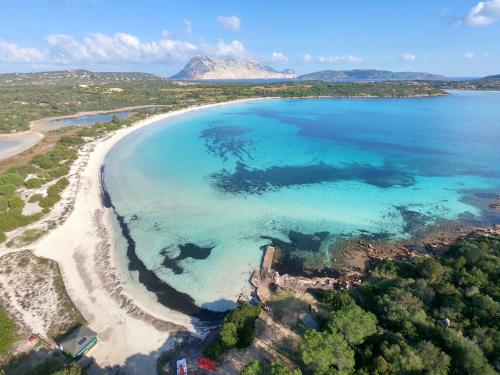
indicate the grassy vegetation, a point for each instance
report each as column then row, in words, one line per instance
column 49, row 166
column 46, row 171
column 7, row 332
column 21, row 103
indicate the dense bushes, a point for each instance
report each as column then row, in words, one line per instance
column 435, row 315
column 238, row 331
column 421, row 316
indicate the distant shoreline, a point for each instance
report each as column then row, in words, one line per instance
column 37, row 128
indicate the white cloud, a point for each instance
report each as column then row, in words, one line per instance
column 120, row 47
column 233, row 49
column 408, row 57
column 96, row 48
column 470, row 55
column 188, row 26
column 483, row 13
column 307, row 58
column 230, row 22
column 12, row 52
column 279, row 57
column 338, row 59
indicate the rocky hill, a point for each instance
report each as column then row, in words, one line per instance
column 368, row 75
column 72, row 77
column 208, row 68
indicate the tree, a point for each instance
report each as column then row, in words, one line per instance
column 335, row 299
column 434, row 361
column 278, row 368
column 431, row 269
column 229, row 335
column 402, row 358
column 400, row 308
column 353, row 323
column 326, row 353
column 466, row 354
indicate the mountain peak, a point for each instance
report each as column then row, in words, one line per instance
column 212, row 68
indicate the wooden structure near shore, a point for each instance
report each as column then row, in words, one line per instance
column 267, row 263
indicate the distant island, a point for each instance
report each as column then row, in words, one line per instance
column 368, row 75
column 209, row 68
column 202, row 68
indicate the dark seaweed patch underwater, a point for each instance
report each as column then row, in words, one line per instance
column 301, row 174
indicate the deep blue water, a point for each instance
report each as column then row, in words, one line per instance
column 91, row 119
column 202, row 192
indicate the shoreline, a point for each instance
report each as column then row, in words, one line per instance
column 19, row 142
column 84, row 246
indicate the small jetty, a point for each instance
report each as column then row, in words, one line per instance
column 262, row 277
column 268, row 259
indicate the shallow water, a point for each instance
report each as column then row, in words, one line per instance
column 90, row 119
column 202, row 192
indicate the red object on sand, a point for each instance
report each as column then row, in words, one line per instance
column 32, row 340
column 206, row 364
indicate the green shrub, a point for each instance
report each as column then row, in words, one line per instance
column 11, row 178
column 276, row 368
column 229, row 335
column 35, row 198
column 7, row 189
column 34, row 183
column 53, row 193
column 59, row 171
column 334, row 299
column 16, row 202
column 89, row 132
column 43, row 161
column 4, row 203
column 238, row 330
column 69, row 140
column 214, row 350
column 23, row 169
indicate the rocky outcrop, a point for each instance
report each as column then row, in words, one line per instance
column 208, row 68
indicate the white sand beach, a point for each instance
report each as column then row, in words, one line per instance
column 130, row 323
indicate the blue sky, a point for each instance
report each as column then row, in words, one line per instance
column 455, row 38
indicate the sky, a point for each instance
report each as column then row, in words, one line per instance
column 456, row 38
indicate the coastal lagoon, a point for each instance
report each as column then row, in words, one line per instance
column 90, row 119
column 198, row 195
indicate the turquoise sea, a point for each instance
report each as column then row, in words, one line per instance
column 201, row 193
